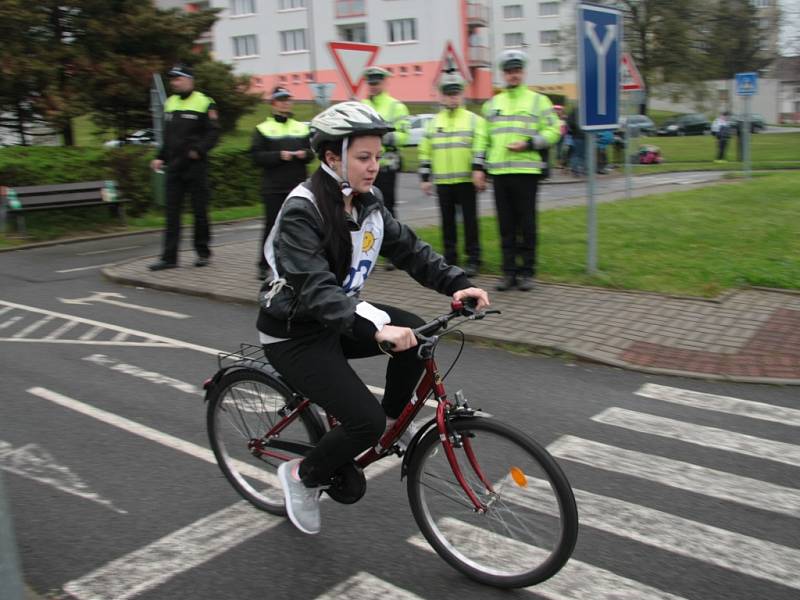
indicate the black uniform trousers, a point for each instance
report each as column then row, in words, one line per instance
column 272, row 206
column 192, row 179
column 722, row 142
column 452, row 195
column 317, row 366
column 515, row 201
column 386, row 181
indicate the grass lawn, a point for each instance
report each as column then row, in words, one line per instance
column 698, row 242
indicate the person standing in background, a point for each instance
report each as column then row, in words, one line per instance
column 191, row 130
column 447, row 156
column 521, row 123
column 721, row 129
column 281, row 148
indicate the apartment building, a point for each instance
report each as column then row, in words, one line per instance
column 284, row 42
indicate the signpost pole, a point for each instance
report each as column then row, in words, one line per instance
column 591, row 169
column 745, row 131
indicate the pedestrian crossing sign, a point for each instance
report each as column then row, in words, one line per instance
column 746, row 84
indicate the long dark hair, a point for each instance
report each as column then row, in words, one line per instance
column 336, row 237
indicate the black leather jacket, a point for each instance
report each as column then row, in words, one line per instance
column 312, row 298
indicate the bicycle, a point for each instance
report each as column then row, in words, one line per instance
column 490, row 500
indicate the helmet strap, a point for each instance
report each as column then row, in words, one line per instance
column 344, row 185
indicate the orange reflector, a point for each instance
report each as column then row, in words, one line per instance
column 519, row 477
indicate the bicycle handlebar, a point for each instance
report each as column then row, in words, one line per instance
column 458, row 308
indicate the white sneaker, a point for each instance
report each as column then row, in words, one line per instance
column 302, row 503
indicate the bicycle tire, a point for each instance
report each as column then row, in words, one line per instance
column 242, row 406
column 528, row 486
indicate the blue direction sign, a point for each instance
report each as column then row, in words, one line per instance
column 599, row 53
column 746, row 84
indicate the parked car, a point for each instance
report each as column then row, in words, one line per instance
column 639, row 124
column 757, row 122
column 140, row 137
column 416, row 127
column 691, row 124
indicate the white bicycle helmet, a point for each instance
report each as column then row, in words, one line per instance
column 340, row 122
column 512, row 59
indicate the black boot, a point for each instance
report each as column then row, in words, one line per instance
column 508, row 282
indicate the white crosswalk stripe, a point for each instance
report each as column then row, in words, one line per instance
column 364, row 586
column 724, row 404
column 710, row 437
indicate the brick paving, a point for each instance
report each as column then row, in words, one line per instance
column 746, row 335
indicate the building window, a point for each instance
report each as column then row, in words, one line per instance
column 355, row 32
column 550, row 65
column 417, row 70
column 402, row 30
column 403, row 71
column 350, row 8
column 513, row 40
column 548, row 9
column 548, row 38
column 512, row 11
column 291, row 4
column 293, row 40
column 243, row 7
column 761, row 3
column 245, row 45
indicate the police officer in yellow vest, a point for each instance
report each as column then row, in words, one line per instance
column 521, row 123
column 447, row 158
column 191, row 129
column 395, row 113
column 281, row 147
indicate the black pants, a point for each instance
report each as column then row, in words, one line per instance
column 386, row 182
column 515, row 201
column 722, row 142
column 317, row 366
column 450, row 196
column 272, row 205
column 194, row 181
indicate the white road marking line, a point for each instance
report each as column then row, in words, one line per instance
column 89, row 342
column 186, row 548
column 87, row 268
column 120, row 337
column 723, row 404
column 34, row 462
column 61, row 330
column 701, row 435
column 713, row 545
column 365, row 586
column 164, row 341
column 5, row 310
column 576, row 581
column 114, row 299
column 93, row 252
column 10, row 322
column 151, row 376
column 679, row 475
column 156, row 563
column 89, row 335
column 33, row 327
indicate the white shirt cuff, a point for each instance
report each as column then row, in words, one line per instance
column 378, row 317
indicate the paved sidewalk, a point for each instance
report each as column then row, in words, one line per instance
column 747, row 335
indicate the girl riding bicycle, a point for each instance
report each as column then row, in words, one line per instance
column 325, row 243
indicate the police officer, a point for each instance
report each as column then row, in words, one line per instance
column 521, row 123
column 395, row 113
column 191, row 130
column 281, row 147
column 447, row 156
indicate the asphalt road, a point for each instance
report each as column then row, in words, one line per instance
column 113, row 494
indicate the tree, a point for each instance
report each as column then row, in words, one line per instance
column 733, row 42
column 228, row 90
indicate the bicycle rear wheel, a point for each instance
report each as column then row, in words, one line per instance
column 243, row 406
column 530, row 525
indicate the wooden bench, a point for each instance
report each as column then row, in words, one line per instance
column 15, row 202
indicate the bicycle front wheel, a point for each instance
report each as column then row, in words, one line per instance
column 530, row 523
column 243, row 406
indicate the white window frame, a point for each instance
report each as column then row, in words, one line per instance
column 513, row 18
column 292, row 34
column 508, row 44
column 236, row 8
column 292, row 5
column 555, row 14
column 401, row 26
column 547, row 60
column 542, row 33
column 244, row 39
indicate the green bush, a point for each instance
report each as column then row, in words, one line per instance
column 235, row 181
